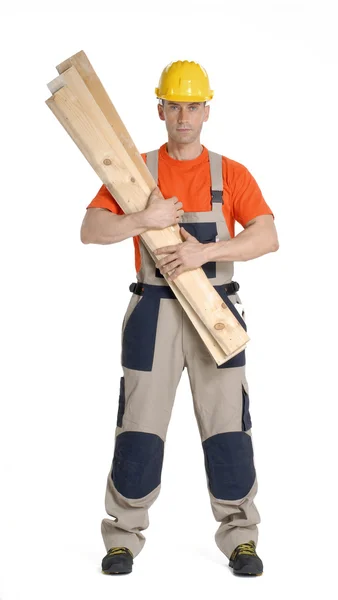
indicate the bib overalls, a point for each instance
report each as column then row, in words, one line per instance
column 158, row 342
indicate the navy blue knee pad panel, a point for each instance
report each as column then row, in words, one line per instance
column 229, row 464
column 138, row 344
column 137, row 463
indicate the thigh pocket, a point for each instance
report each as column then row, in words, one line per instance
column 246, row 418
column 139, row 337
column 122, row 403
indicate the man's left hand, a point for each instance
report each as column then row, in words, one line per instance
column 182, row 257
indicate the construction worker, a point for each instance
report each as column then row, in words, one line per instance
column 205, row 193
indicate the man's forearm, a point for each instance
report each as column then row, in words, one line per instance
column 109, row 228
column 252, row 242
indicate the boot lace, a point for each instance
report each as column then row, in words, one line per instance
column 118, row 550
column 248, row 549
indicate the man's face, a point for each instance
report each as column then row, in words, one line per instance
column 184, row 120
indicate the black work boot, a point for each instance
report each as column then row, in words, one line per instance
column 245, row 561
column 118, row 561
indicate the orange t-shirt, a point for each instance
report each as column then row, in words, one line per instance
column 190, row 182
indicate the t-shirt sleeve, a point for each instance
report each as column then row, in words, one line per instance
column 247, row 199
column 104, row 199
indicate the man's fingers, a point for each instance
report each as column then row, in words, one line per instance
column 166, row 249
column 176, row 273
column 166, row 260
column 170, row 266
column 156, row 193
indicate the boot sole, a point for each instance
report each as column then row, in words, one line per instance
column 244, row 571
column 118, row 568
column 248, row 573
column 115, row 570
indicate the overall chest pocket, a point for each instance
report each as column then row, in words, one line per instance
column 205, row 233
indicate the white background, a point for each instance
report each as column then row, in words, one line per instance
column 273, row 66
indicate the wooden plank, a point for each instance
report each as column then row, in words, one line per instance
column 85, row 69
column 118, row 175
column 83, row 66
column 78, row 112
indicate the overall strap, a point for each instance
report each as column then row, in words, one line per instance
column 216, row 177
column 152, row 163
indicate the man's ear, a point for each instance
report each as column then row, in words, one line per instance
column 207, row 112
column 160, row 112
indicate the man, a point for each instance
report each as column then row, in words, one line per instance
column 207, row 193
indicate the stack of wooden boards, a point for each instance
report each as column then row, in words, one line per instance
column 84, row 109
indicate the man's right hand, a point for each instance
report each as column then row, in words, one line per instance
column 161, row 213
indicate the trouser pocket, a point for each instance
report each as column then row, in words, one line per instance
column 139, row 336
column 246, row 418
column 133, row 302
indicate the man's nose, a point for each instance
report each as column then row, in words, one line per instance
column 182, row 115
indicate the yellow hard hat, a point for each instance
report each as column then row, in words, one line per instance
column 184, row 81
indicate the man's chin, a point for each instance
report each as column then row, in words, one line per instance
column 184, row 138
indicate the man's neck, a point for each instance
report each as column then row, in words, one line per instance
column 184, row 151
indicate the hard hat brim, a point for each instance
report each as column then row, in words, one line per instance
column 185, row 97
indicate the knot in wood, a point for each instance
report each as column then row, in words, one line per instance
column 107, row 161
column 132, row 179
column 219, row 326
column 223, row 305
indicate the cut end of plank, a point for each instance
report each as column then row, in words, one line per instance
column 230, row 356
column 56, row 84
column 79, row 57
column 49, row 101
